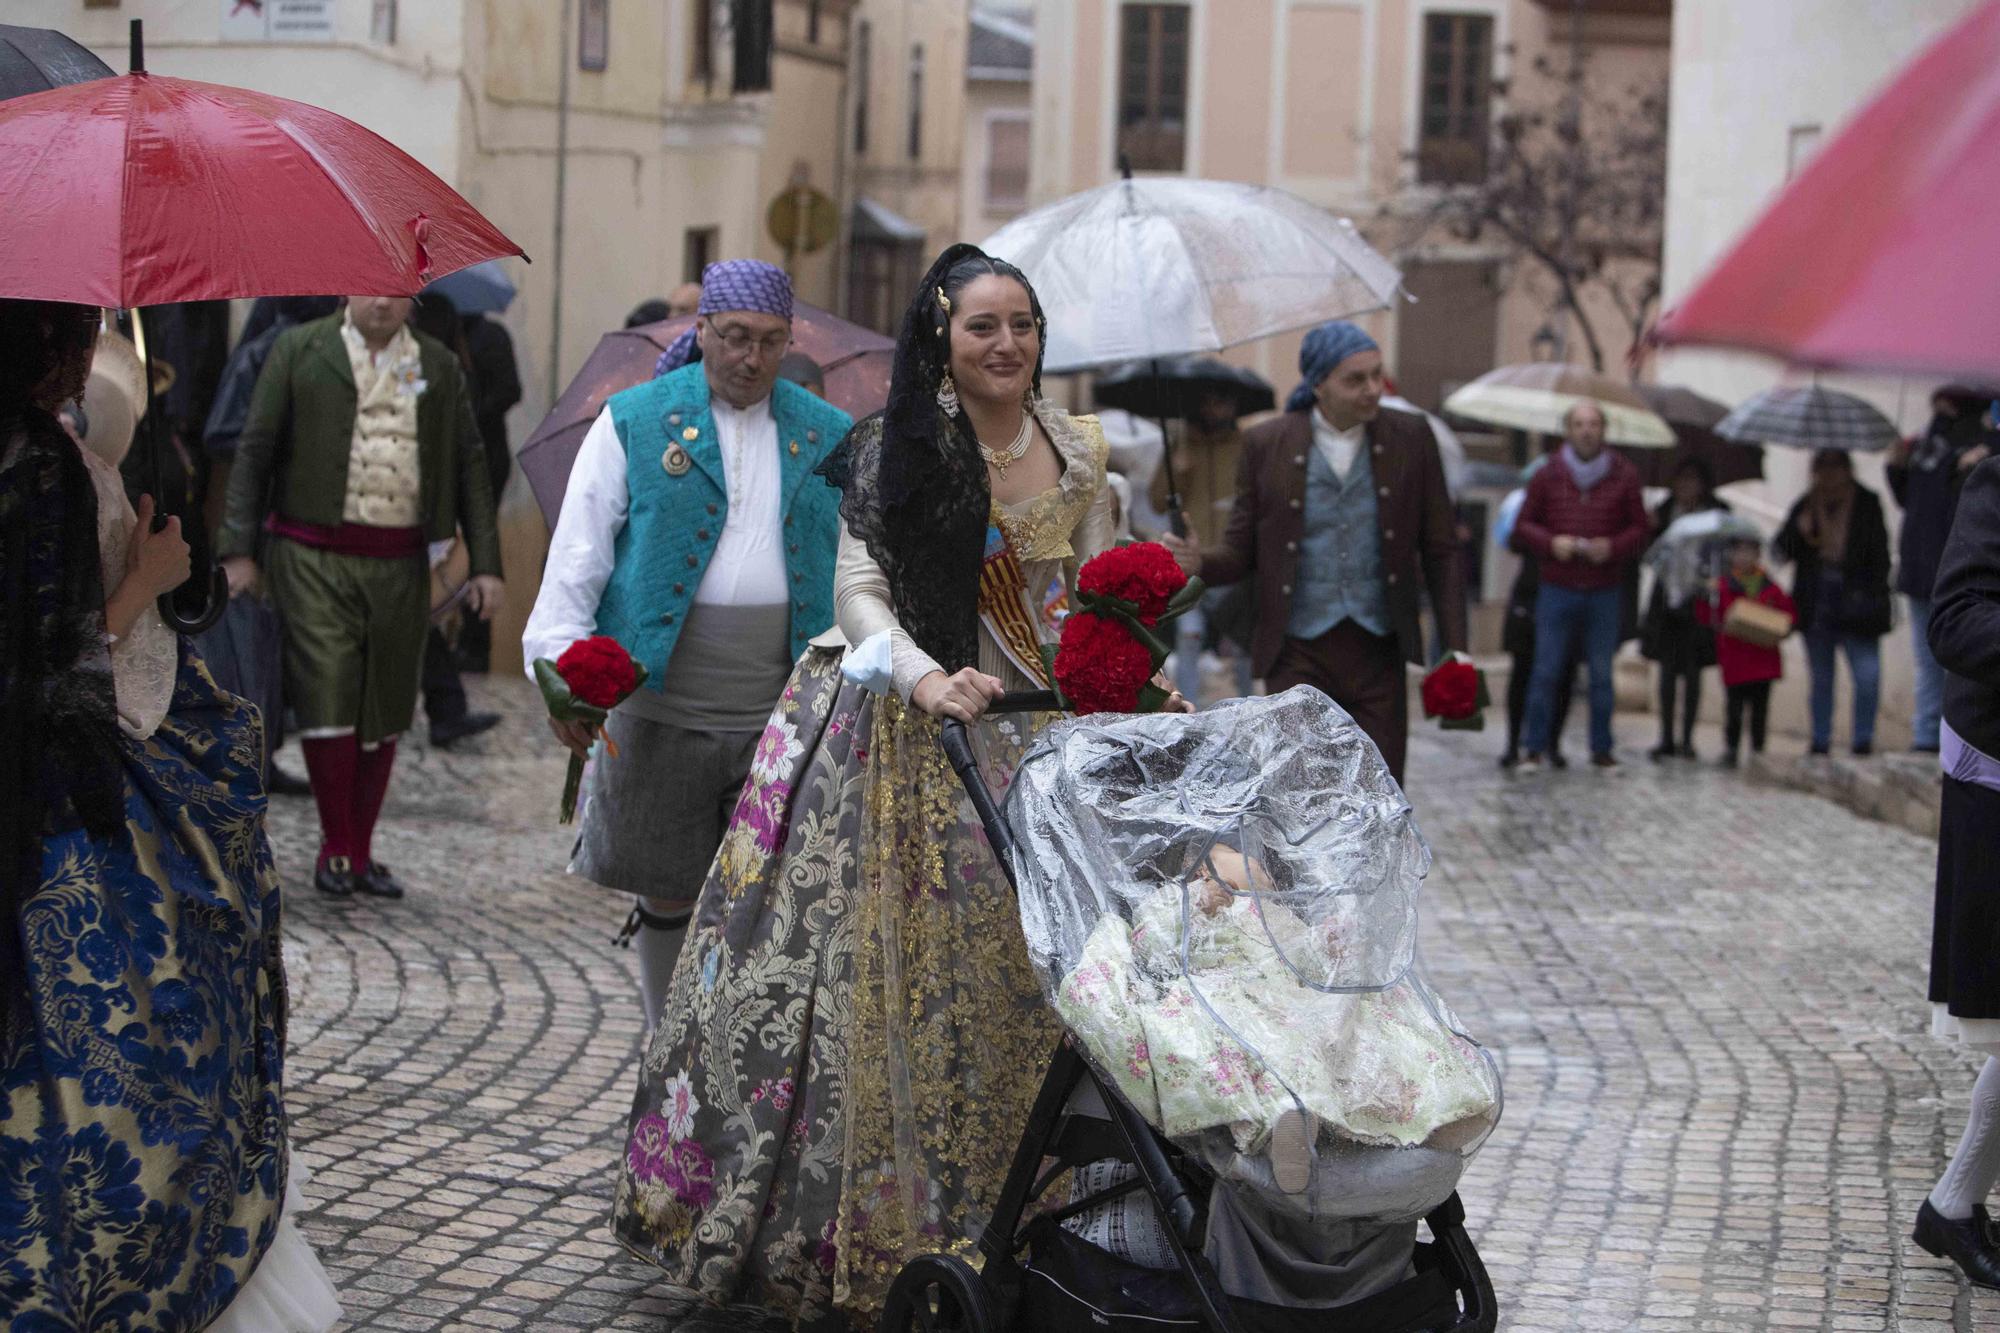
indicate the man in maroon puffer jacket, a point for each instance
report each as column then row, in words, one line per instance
column 1585, row 521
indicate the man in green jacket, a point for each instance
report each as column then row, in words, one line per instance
column 359, row 452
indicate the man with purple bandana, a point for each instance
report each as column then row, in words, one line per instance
column 695, row 533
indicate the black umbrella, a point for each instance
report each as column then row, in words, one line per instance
column 1174, row 388
column 34, row 60
column 1693, row 418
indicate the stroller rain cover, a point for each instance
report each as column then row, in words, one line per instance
column 1222, row 908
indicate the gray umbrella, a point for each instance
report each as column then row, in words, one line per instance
column 1806, row 416
column 34, row 60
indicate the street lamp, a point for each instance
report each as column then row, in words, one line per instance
column 1546, row 343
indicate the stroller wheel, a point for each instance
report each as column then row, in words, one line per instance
column 937, row 1293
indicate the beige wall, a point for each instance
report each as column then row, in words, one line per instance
column 809, row 129
column 926, row 190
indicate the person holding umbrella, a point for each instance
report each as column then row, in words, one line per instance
column 1836, row 537
column 694, row 533
column 1341, row 513
column 360, row 448
column 142, row 993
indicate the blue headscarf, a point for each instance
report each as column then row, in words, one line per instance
column 733, row 284
column 1324, row 348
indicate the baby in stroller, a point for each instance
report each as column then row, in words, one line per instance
column 1227, row 927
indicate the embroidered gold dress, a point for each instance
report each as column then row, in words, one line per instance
column 853, row 1037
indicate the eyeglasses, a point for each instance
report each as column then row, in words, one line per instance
column 739, row 343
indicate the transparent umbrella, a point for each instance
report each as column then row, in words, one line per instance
column 1147, row 270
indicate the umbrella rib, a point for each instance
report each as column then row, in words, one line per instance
column 334, row 178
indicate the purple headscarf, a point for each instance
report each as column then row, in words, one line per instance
column 733, row 284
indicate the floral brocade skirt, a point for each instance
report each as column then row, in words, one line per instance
column 142, row 1131
column 853, row 1037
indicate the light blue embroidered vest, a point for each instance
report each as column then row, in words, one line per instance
column 679, row 500
column 1340, row 554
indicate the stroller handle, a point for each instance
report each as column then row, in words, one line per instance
column 958, row 750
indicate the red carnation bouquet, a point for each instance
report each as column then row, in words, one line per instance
column 1455, row 693
column 592, row 677
column 1112, row 645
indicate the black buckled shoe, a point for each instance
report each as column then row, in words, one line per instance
column 444, row 735
column 377, row 882
column 335, row 876
column 1967, row 1243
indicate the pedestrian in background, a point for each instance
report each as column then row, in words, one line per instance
column 1585, row 523
column 1925, row 475
column 1517, row 637
column 1965, row 935
column 1672, row 636
column 1748, row 669
column 359, row 450
column 1836, row 538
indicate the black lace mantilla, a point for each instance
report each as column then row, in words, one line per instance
column 58, row 707
column 922, row 508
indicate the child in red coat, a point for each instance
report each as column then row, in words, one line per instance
column 1747, row 668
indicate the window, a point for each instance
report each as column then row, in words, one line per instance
column 861, row 78
column 698, row 251
column 593, row 34
column 916, row 101
column 1455, row 116
column 1152, row 87
column 751, row 25
column 704, row 42
column 1006, row 163
column 381, row 22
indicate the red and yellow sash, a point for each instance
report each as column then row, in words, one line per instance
column 1005, row 607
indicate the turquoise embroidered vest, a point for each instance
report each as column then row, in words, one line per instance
column 679, row 500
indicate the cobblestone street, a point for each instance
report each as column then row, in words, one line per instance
column 1723, row 1109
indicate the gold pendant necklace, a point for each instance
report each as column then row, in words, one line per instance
column 1002, row 459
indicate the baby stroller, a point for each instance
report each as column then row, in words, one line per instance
column 1146, row 793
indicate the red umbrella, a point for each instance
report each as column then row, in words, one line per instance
column 142, row 189
column 1881, row 255
column 855, row 361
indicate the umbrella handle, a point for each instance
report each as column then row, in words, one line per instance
column 211, row 609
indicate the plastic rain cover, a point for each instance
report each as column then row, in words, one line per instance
column 1223, row 909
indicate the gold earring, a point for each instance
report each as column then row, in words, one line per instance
column 947, row 394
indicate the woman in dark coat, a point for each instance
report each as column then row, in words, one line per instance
column 1965, row 936
column 1672, row 636
column 1836, row 537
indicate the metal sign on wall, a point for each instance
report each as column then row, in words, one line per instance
column 277, row 20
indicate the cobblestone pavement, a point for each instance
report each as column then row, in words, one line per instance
column 1722, row 1108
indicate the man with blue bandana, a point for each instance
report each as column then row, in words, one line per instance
column 694, row 532
column 1341, row 515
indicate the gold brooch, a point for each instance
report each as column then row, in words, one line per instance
column 676, row 461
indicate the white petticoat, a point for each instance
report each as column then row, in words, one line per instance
column 1978, row 1034
column 289, row 1292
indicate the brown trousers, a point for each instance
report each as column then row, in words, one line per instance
column 1361, row 672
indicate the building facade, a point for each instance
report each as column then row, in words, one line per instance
column 1369, row 108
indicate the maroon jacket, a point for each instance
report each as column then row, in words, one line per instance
column 1555, row 506
column 1412, row 512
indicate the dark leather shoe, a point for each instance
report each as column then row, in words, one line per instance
column 281, row 783
column 1556, row 759
column 1605, row 760
column 377, row 882
column 444, row 735
column 1965, row 1243
column 335, row 876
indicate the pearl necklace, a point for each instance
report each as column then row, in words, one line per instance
column 1003, row 459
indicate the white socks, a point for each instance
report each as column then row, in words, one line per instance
column 657, row 949
column 1976, row 1165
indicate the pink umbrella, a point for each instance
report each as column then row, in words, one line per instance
column 1884, row 253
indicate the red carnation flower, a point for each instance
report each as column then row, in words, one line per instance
column 1100, row 667
column 598, row 671
column 1451, row 691
column 1144, row 574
